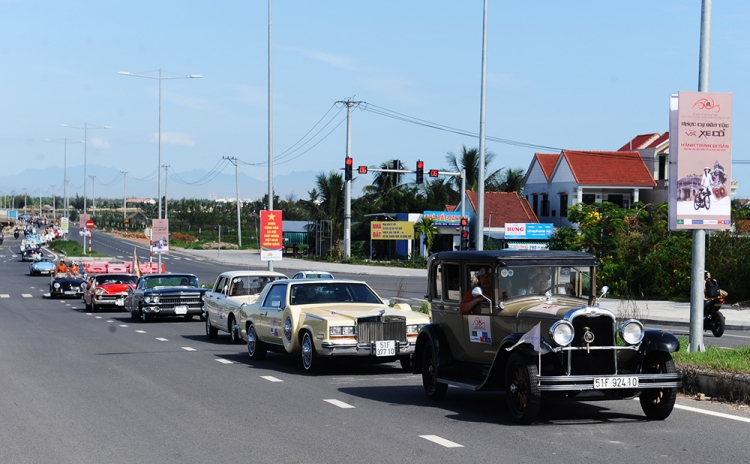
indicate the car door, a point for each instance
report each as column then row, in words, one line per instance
column 445, row 298
column 480, row 339
column 271, row 326
column 211, row 300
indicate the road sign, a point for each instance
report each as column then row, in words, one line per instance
column 90, row 224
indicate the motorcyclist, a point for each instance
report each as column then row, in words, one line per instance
column 710, row 287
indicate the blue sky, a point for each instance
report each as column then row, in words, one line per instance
column 574, row 75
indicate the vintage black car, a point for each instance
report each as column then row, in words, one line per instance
column 64, row 285
column 161, row 295
column 29, row 254
column 537, row 330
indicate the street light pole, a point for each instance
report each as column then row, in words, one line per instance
column 93, row 194
column 65, row 170
column 54, row 205
column 166, row 190
column 236, row 163
column 85, row 128
column 124, row 195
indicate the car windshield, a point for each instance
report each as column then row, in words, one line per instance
column 537, row 280
column 115, row 279
column 331, row 292
column 172, row 280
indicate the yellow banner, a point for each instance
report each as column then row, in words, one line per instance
column 391, row 230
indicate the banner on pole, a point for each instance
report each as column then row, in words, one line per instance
column 271, row 235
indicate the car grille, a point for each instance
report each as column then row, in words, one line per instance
column 170, row 301
column 374, row 328
column 593, row 362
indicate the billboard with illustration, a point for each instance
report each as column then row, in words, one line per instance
column 700, row 151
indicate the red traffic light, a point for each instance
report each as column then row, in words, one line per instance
column 349, row 161
column 420, row 164
column 362, row 169
column 465, row 234
column 433, row 172
column 464, row 222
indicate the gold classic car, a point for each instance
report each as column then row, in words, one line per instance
column 231, row 290
column 318, row 319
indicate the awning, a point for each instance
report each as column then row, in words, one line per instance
column 528, row 244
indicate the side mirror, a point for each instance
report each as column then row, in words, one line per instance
column 477, row 291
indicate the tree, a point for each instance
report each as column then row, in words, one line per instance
column 511, row 180
column 469, row 160
column 426, row 229
column 326, row 202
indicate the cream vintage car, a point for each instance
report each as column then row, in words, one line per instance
column 318, row 319
column 230, row 291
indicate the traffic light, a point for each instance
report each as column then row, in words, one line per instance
column 348, row 162
column 464, row 222
column 434, row 173
column 420, row 172
column 362, row 169
column 464, row 240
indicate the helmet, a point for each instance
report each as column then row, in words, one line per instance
column 707, row 273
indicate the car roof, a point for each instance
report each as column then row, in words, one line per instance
column 323, row 281
column 313, row 272
column 233, row 274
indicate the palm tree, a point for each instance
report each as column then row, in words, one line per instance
column 511, row 180
column 426, row 228
column 384, row 182
column 327, row 203
column 469, row 160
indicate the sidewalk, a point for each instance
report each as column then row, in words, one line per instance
column 647, row 311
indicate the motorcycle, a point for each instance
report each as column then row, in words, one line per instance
column 15, row 234
column 712, row 317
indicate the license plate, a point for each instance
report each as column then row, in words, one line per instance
column 385, row 348
column 70, row 292
column 180, row 309
column 120, row 302
column 601, row 383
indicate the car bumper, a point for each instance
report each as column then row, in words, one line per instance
column 361, row 349
column 568, row 383
column 67, row 293
column 159, row 311
column 110, row 300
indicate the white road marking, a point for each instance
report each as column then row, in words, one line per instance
column 712, row 413
column 26, row 295
column 270, row 378
column 162, row 339
column 224, row 361
column 45, row 294
column 441, row 441
column 340, row 404
column 32, row 287
column 89, row 314
column 68, row 304
column 110, row 321
column 123, row 325
column 187, row 348
column 141, row 331
column 97, row 317
column 4, row 295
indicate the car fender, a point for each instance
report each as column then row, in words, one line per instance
column 496, row 376
column 433, row 334
column 291, row 342
column 658, row 340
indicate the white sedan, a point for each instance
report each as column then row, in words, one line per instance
column 231, row 291
column 313, row 275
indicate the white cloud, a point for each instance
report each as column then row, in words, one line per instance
column 99, row 142
column 174, row 138
column 327, row 58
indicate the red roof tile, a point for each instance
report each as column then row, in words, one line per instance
column 609, row 168
column 547, row 162
column 639, row 141
column 450, row 208
column 501, row 208
column 662, row 138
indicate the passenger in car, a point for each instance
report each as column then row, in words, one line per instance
column 484, row 279
column 238, row 288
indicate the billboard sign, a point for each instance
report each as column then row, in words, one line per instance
column 444, row 218
column 529, row 231
column 391, row 230
column 64, row 225
column 271, row 235
column 160, row 236
column 700, row 151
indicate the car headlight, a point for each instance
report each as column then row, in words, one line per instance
column 147, row 298
column 99, row 291
column 631, row 332
column 342, row 330
column 562, row 333
column 56, row 285
column 413, row 329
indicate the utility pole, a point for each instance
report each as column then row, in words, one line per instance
column 25, row 199
column 40, row 202
column 166, row 187
column 270, row 124
column 699, row 235
column 54, row 211
column 479, row 239
column 93, row 194
column 124, row 195
column 348, row 193
column 236, row 163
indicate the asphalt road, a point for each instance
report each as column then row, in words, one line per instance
column 93, row 388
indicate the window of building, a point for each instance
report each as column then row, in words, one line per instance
column 535, row 203
column 588, row 198
column 563, row 205
column 545, row 205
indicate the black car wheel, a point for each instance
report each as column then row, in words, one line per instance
column 145, row 317
column 211, row 331
column 658, row 404
column 234, row 332
column 522, row 389
column 433, row 389
column 255, row 348
column 133, row 315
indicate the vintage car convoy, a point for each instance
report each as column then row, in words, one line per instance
column 230, row 292
column 42, row 266
column 161, row 295
column 538, row 332
column 108, row 290
column 316, row 319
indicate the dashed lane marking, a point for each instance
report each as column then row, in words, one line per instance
column 26, row 295
column 162, row 339
column 123, row 325
column 441, row 441
column 225, row 361
column 110, row 320
column 270, row 378
column 98, row 317
column 340, row 404
column 4, row 295
column 140, row 331
column 187, row 348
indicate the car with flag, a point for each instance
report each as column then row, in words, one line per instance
column 529, row 323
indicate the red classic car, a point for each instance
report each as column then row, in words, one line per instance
column 108, row 290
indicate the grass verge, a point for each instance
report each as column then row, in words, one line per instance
column 733, row 360
column 72, row 248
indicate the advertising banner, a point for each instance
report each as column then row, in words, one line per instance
column 64, row 225
column 12, row 214
column 82, row 220
column 700, row 151
column 529, row 231
column 391, row 230
column 444, row 218
column 271, row 235
column 160, row 236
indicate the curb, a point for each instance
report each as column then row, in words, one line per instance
column 724, row 386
